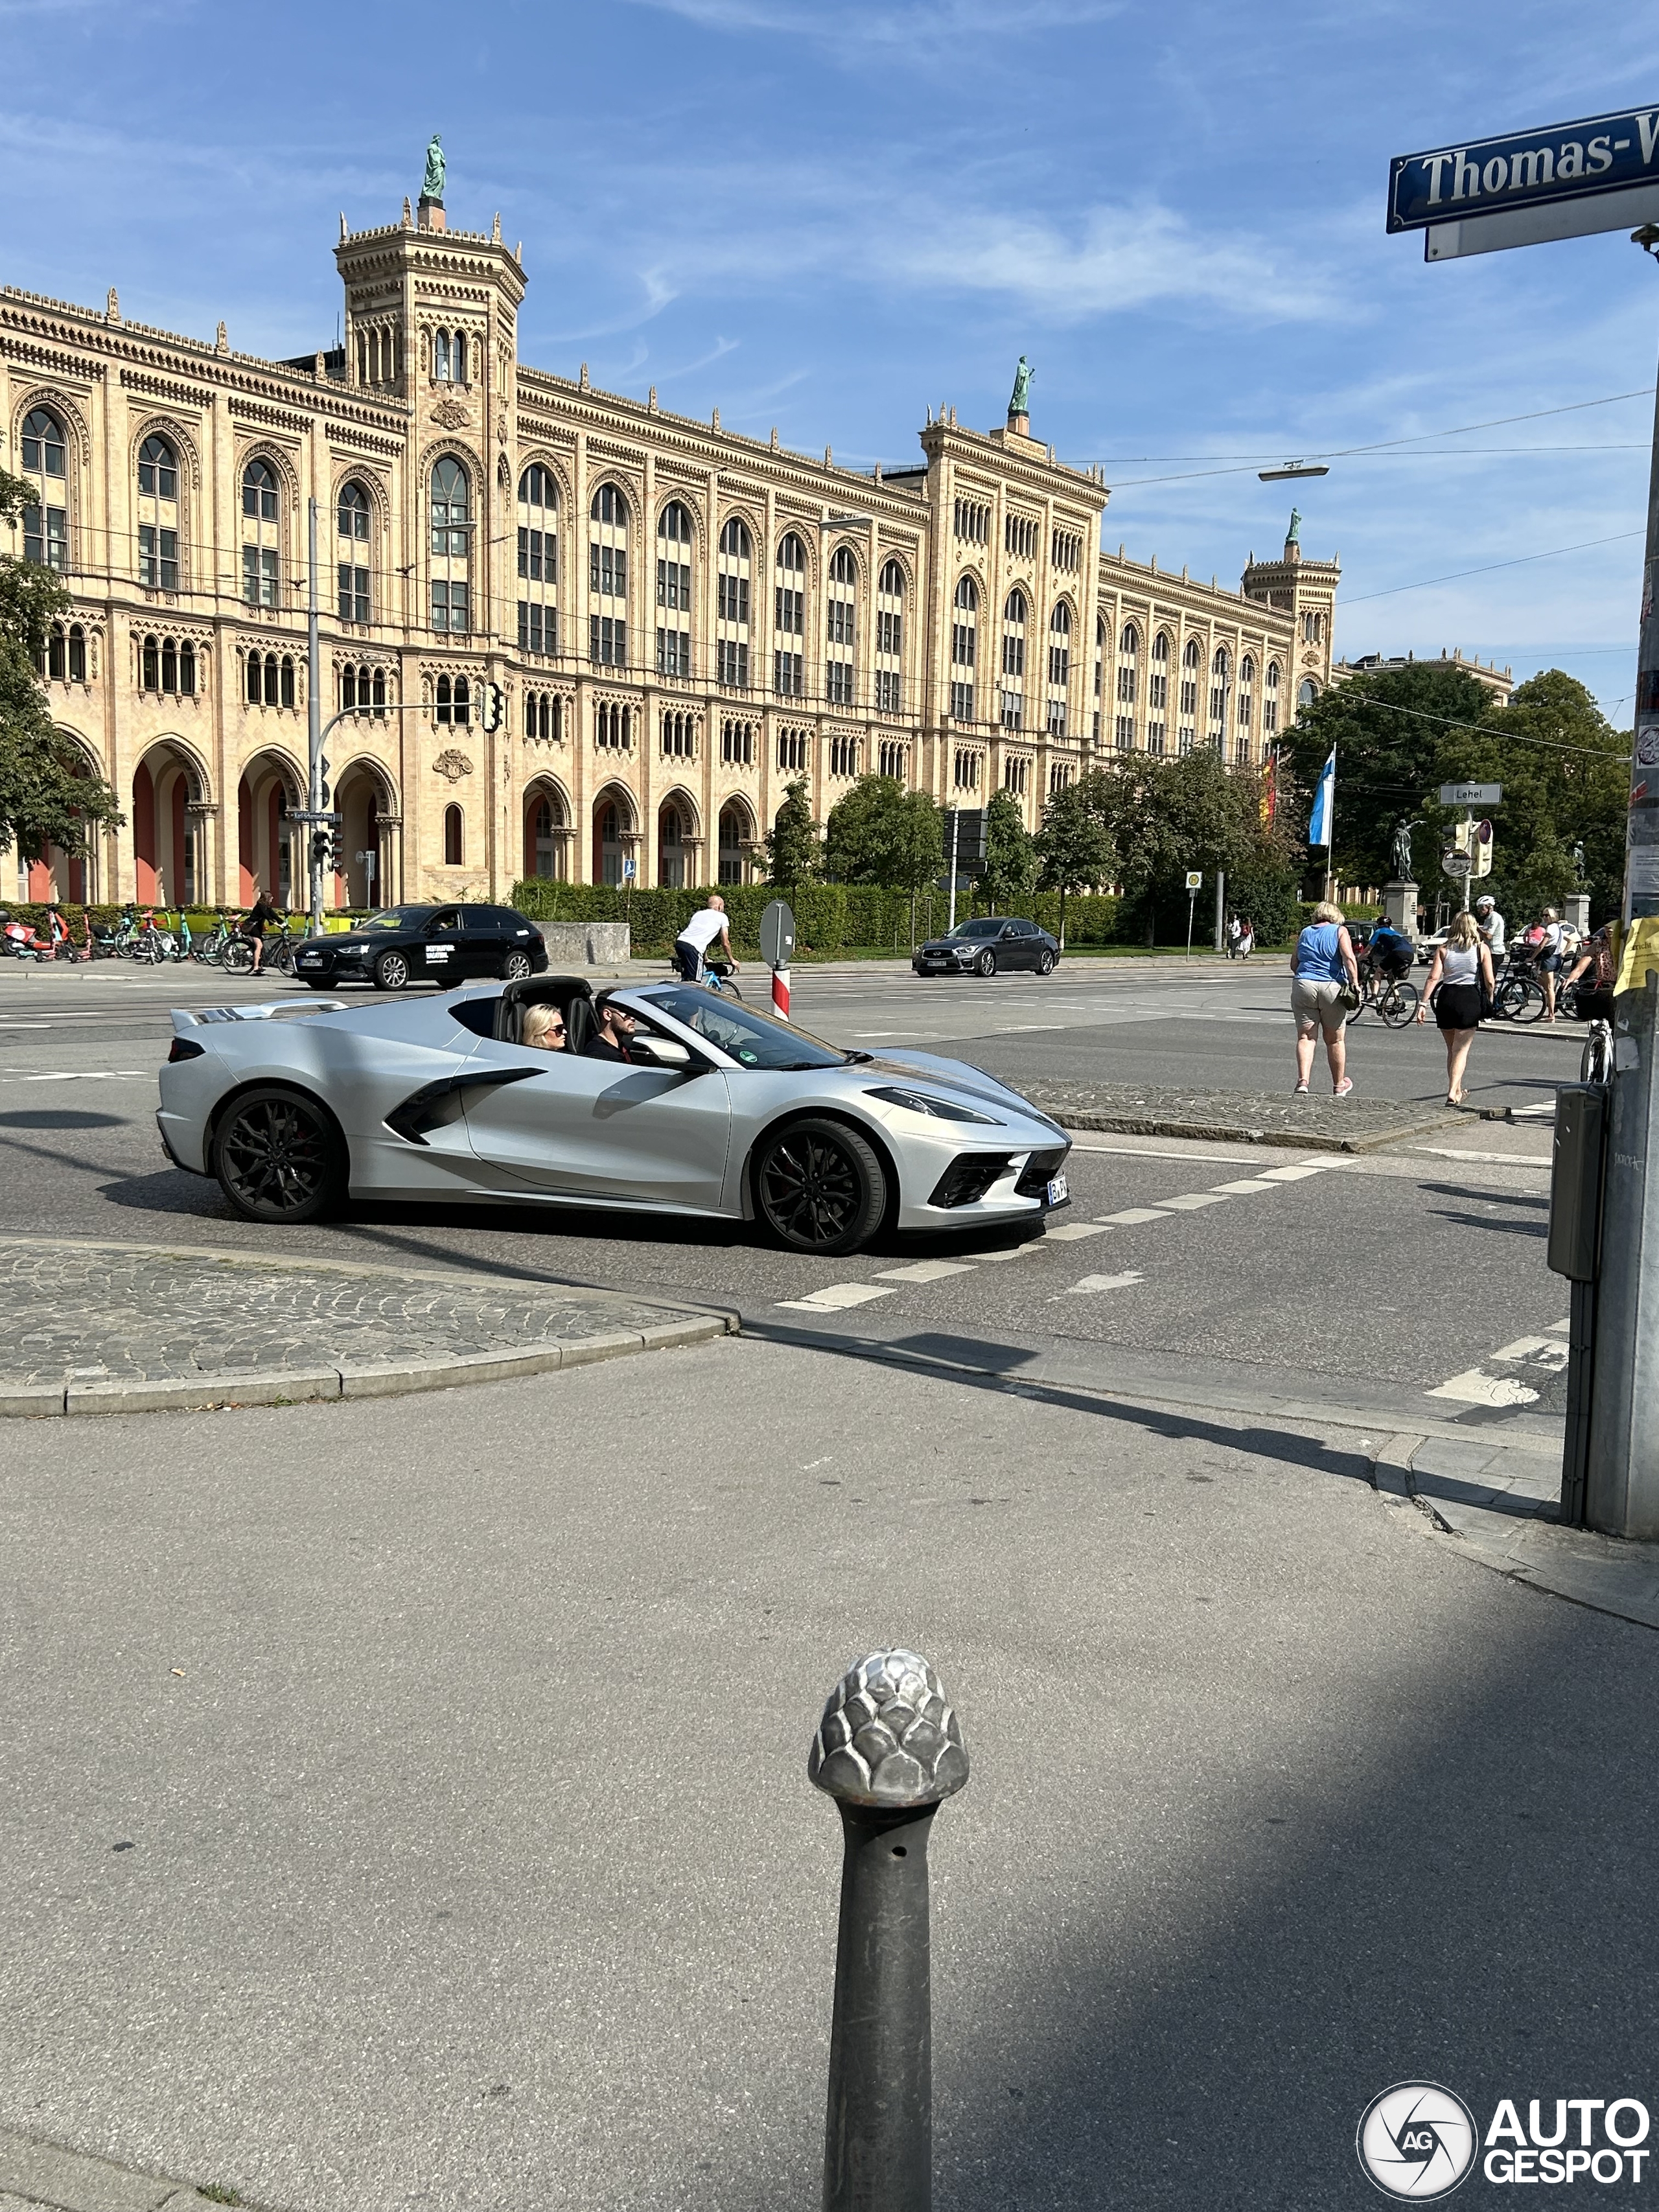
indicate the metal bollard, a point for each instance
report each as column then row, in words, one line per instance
column 888, row 1750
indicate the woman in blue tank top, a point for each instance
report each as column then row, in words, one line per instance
column 1322, row 963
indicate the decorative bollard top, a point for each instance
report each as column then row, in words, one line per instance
column 887, row 1737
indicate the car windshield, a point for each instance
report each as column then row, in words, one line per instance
column 394, row 917
column 751, row 1038
column 988, row 928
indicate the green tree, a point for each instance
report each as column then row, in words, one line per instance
column 1011, row 860
column 1389, row 730
column 48, row 795
column 879, row 833
column 1167, row 816
column 1074, row 848
column 792, row 849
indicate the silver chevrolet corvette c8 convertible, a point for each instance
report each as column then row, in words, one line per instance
column 719, row 1110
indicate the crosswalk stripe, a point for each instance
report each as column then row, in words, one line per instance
column 1088, row 1285
column 1190, row 1200
column 1472, row 1387
column 834, row 1297
column 1070, row 1230
column 1133, row 1213
column 924, row 1271
column 1246, row 1182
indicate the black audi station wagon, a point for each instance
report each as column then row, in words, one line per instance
column 441, row 944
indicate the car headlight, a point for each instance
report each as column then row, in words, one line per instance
column 937, row 1109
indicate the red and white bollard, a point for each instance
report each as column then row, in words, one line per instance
column 780, row 993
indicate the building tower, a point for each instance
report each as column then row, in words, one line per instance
column 1306, row 591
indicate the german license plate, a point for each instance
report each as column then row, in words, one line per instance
column 1059, row 1191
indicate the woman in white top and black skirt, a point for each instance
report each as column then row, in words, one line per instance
column 1460, row 985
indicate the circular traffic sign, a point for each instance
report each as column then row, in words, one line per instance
column 1456, row 864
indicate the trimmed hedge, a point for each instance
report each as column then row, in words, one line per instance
column 830, row 919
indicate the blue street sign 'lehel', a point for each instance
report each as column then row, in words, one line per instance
column 1529, row 168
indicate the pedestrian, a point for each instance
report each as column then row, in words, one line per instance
column 1246, row 940
column 1549, row 959
column 1321, row 967
column 691, row 946
column 1234, row 933
column 1490, row 923
column 1460, row 986
column 1595, row 971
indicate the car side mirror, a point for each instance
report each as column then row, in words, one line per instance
column 659, row 1052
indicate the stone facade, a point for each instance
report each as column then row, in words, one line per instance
column 1500, row 682
column 682, row 620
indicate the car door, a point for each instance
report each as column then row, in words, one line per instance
column 481, row 948
column 1012, row 951
column 601, row 1129
column 442, row 952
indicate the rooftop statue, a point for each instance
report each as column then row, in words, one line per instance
column 1293, row 535
column 432, row 186
column 1020, row 402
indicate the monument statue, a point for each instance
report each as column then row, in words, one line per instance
column 432, row 185
column 1020, row 402
column 1580, row 869
column 1293, row 535
column 1402, row 853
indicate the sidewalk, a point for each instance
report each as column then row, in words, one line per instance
column 121, row 1328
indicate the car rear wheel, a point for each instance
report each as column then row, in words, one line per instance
column 819, row 1188
column 1045, row 962
column 390, row 971
column 515, row 967
column 278, row 1157
column 986, row 965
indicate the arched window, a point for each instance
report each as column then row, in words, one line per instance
column 46, row 519
column 841, row 621
column 732, row 578
column 1100, row 669
column 1014, row 614
column 287, row 680
column 454, row 846
column 169, row 663
column 1157, row 692
column 1059, row 669
column 451, row 599
column 673, row 590
column 451, row 701
column 186, row 667
column 1246, row 715
column 261, row 534
column 670, row 848
column 459, row 361
column 1270, row 699
column 1307, row 692
column 538, row 560
column 440, row 356
column 1129, row 642
column 150, row 677
column 1221, row 669
column 789, row 619
column 889, row 639
column 607, row 578
column 1190, row 656
column 965, row 648
column 158, row 515
column 351, row 553
column 66, row 654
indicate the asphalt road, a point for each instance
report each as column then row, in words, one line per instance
column 406, row 1806
column 1374, row 1280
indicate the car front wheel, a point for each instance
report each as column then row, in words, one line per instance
column 1045, row 962
column 390, row 971
column 515, row 967
column 819, row 1188
column 278, row 1157
column 986, row 965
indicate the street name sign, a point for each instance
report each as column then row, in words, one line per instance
column 1470, row 794
column 1563, row 180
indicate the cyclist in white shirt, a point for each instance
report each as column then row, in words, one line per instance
column 699, row 933
column 1490, row 923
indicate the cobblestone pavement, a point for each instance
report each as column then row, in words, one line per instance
column 87, row 1316
column 1318, row 1123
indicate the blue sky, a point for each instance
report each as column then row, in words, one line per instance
column 828, row 218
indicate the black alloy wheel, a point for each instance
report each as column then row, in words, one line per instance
column 515, row 967
column 391, row 971
column 1045, row 962
column 819, row 1188
column 278, row 1157
column 987, row 963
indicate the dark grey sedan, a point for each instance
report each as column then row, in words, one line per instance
column 983, row 946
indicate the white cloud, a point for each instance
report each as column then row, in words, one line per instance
column 850, row 31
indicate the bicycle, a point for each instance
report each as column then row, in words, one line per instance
column 1520, row 995
column 717, row 977
column 279, row 947
column 1597, row 1064
column 1390, row 997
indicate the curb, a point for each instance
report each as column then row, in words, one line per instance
column 69, row 2181
column 1229, row 1132
column 330, row 1380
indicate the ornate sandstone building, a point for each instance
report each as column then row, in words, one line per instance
column 683, row 620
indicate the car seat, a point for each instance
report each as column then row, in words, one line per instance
column 570, row 994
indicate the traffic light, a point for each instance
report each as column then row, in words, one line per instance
column 322, row 785
column 321, row 850
column 492, row 707
column 1481, row 848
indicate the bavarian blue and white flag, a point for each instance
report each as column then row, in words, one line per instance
column 1324, row 809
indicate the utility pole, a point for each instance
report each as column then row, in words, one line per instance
column 1622, row 1471
column 313, row 719
column 954, row 818
column 1221, row 909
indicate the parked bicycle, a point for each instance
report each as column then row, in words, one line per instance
column 1520, row 995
